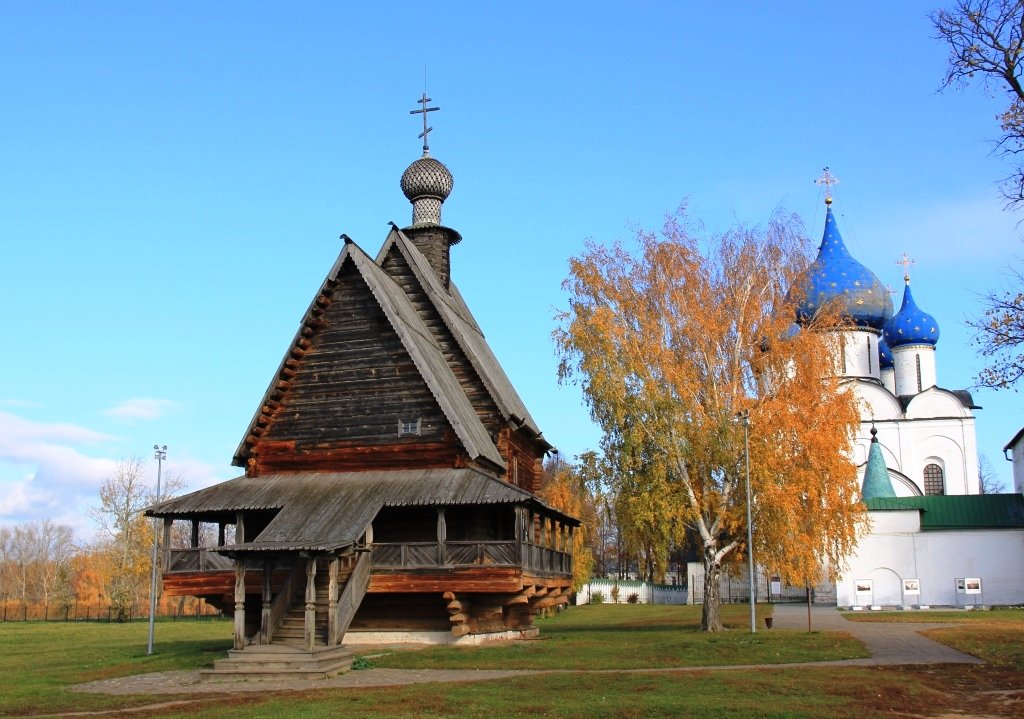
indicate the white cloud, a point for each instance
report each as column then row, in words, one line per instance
column 44, row 474
column 17, row 403
column 145, row 408
column 47, row 471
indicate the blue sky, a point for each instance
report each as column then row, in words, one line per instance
column 175, row 177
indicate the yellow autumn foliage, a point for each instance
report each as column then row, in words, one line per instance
column 673, row 336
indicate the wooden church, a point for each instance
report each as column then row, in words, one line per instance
column 390, row 468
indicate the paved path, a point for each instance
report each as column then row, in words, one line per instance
column 889, row 643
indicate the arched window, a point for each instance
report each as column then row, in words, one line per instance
column 917, row 362
column 869, row 355
column 933, row 482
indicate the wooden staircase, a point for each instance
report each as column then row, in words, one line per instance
column 286, row 657
column 293, row 627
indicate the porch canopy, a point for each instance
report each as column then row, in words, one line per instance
column 329, row 511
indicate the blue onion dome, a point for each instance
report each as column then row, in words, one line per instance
column 884, row 353
column 911, row 325
column 836, row 275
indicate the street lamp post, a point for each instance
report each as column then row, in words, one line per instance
column 159, row 454
column 750, row 524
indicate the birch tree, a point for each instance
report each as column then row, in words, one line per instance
column 985, row 46
column 670, row 338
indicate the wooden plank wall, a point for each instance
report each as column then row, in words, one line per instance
column 348, row 392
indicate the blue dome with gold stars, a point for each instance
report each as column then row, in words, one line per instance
column 884, row 353
column 911, row 325
column 836, row 275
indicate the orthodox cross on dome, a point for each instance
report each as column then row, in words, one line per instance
column 906, row 261
column 827, row 179
column 423, row 111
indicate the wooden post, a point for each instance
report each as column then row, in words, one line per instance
column 332, row 603
column 310, row 623
column 520, row 531
column 220, row 534
column 194, row 540
column 570, row 551
column 265, row 613
column 239, row 527
column 167, row 543
column 442, row 537
column 369, row 534
column 239, row 603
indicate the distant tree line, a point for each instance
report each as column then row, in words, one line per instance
column 44, row 572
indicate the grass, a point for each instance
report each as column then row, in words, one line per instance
column 40, row 661
column 605, row 636
column 944, row 616
column 776, row 694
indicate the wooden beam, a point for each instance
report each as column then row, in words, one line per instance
column 265, row 608
column 239, row 604
column 442, row 535
column 167, row 543
column 332, row 603
column 310, row 619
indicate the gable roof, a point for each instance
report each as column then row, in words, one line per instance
column 467, row 333
column 330, row 511
column 973, row 511
column 417, row 340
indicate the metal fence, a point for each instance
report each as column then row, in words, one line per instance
column 19, row 612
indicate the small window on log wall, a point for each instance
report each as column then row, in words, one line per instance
column 413, row 428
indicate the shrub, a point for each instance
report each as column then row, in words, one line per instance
column 360, row 663
column 597, row 597
column 633, row 598
column 615, row 593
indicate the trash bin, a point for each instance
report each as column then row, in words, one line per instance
column 768, row 622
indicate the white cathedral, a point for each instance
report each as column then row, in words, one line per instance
column 935, row 540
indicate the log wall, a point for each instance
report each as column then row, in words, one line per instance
column 345, row 394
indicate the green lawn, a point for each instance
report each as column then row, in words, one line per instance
column 605, row 636
column 40, row 661
column 848, row 693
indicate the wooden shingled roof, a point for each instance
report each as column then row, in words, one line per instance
column 420, row 344
column 330, row 511
column 460, row 322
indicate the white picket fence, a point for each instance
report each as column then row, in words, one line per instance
column 646, row 592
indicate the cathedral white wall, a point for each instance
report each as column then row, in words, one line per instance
column 905, row 361
column 936, row 402
column 876, row 403
column 889, row 379
column 937, row 429
column 859, row 349
column 1018, row 466
column 896, row 550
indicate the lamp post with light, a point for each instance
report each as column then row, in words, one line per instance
column 159, row 454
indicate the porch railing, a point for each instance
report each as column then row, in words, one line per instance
column 197, row 559
column 403, row 555
column 408, row 555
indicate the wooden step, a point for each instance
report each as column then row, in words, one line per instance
column 278, row 661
